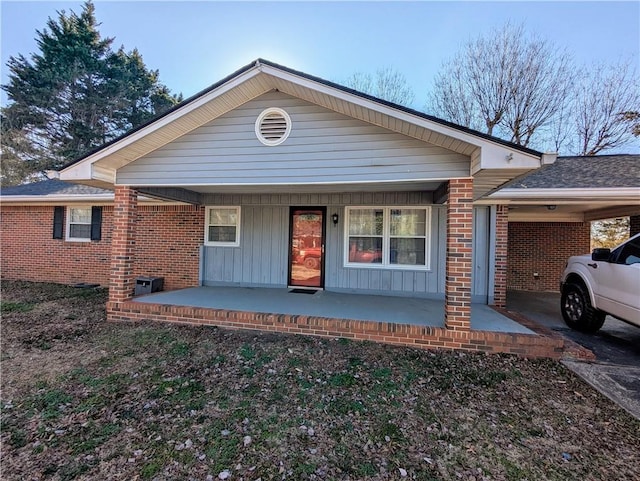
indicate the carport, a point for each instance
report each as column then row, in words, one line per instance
column 551, row 210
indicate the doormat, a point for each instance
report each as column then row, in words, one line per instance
column 303, row 291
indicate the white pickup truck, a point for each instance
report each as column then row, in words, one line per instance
column 605, row 282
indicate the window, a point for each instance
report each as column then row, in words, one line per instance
column 630, row 252
column 222, row 226
column 393, row 237
column 83, row 224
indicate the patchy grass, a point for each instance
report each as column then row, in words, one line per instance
column 83, row 399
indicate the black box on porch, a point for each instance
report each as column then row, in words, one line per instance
column 147, row 285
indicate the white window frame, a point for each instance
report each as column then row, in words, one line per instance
column 386, row 239
column 207, row 242
column 67, row 221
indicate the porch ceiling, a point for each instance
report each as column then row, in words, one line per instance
column 567, row 204
column 318, row 188
column 553, row 210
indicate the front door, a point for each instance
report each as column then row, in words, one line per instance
column 306, row 247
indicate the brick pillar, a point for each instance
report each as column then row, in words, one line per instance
column 502, row 238
column 634, row 225
column 457, row 289
column 121, row 282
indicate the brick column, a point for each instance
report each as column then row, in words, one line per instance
column 121, row 282
column 502, row 238
column 457, row 289
column 634, row 225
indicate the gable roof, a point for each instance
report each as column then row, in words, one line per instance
column 584, row 172
column 493, row 161
column 261, row 61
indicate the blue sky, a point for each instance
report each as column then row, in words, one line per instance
column 194, row 44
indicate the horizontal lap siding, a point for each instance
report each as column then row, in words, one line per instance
column 323, row 146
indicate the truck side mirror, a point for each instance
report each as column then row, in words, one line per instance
column 600, row 254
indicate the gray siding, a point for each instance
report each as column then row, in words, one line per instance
column 480, row 258
column 262, row 257
column 323, row 147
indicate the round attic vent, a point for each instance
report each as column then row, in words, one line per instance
column 273, row 126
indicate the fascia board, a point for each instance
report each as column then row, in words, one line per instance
column 620, row 193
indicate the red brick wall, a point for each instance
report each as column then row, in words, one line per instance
column 543, row 248
column 167, row 245
column 30, row 253
column 634, row 225
column 502, row 252
column 168, row 240
column 457, row 305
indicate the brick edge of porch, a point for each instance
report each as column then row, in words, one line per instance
column 425, row 337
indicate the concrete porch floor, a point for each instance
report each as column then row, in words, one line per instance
column 400, row 310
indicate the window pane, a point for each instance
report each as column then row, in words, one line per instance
column 223, row 216
column 408, row 222
column 222, row 233
column 409, row 252
column 365, row 222
column 80, row 216
column 80, row 231
column 365, row 249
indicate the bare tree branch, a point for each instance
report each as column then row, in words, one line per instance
column 505, row 84
column 386, row 84
column 607, row 105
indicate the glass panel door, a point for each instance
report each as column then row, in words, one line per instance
column 306, row 247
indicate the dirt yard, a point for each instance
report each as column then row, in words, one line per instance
column 86, row 399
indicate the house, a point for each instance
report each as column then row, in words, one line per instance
column 274, row 179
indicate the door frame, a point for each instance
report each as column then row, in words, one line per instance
column 323, row 210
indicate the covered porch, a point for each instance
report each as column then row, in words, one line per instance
column 359, row 307
column 402, row 321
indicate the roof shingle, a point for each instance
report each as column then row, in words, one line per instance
column 584, row 172
column 53, row 187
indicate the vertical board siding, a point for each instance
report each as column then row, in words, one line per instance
column 262, row 257
column 480, row 252
column 323, row 147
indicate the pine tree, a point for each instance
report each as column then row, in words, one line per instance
column 76, row 93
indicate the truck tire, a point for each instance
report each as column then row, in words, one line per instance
column 577, row 311
column 311, row 263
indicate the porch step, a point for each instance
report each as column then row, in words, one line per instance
column 571, row 350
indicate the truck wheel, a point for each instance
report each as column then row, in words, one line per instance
column 311, row 263
column 577, row 311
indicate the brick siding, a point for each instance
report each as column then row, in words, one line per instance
column 501, row 256
column 168, row 240
column 427, row 337
column 457, row 304
column 543, row 248
column 634, row 225
column 167, row 245
column 30, row 253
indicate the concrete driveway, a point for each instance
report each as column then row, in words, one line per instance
column 616, row 371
